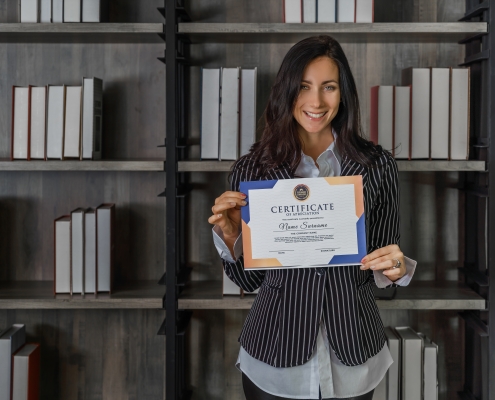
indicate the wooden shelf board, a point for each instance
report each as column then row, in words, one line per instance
column 81, row 33
column 413, row 165
column 419, row 295
column 344, row 32
column 39, row 295
column 76, row 165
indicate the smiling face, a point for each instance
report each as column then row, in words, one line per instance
column 319, row 97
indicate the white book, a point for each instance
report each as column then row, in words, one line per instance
column 394, row 372
column 382, row 116
column 430, row 374
column 29, row 11
column 229, row 114
column 90, row 251
column 20, row 124
column 55, row 122
column 309, row 11
column 364, row 11
column 412, row 364
column 419, row 78
column 57, row 10
column 104, row 249
column 459, row 114
column 91, row 11
column 72, row 141
column 62, row 255
column 77, row 250
column 72, row 10
column 292, row 11
column 248, row 109
column 92, row 116
column 38, row 122
column 210, row 113
column 402, row 121
column 440, row 87
column 326, row 11
column 46, row 11
column 11, row 340
column 26, row 372
column 229, row 287
column 346, row 10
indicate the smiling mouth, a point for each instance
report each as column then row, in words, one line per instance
column 315, row 116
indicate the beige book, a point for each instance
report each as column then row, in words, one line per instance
column 440, row 81
column 459, row 114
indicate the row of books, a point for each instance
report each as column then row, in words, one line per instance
column 19, row 365
column 328, row 11
column 47, row 11
column 426, row 118
column 228, row 112
column 57, row 122
column 413, row 374
column 84, row 251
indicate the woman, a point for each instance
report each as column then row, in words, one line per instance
column 315, row 333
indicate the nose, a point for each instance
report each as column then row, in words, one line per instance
column 316, row 99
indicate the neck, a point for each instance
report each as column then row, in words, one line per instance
column 313, row 144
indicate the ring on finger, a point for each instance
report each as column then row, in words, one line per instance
column 397, row 265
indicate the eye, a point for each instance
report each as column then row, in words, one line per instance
column 304, row 87
column 330, row 88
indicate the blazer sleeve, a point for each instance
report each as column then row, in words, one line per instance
column 384, row 223
column 243, row 170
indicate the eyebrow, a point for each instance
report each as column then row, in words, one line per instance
column 323, row 83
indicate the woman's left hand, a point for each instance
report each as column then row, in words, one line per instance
column 384, row 259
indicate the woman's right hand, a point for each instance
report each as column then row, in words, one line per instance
column 227, row 213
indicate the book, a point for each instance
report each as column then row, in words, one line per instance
column 229, row 114
column 326, row 11
column 55, row 122
column 72, row 135
column 380, row 392
column 402, row 122
column 346, row 11
column 26, row 373
column 394, row 372
column 38, row 123
column 77, row 250
column 58, row 10
column 229, row 287
column 382, row 117
column 72, row 10
column 440, row 92
column 419, row 79
column 46, row 11
column 430, row 374
column 459, row 114
column 29, row 11
column 90, row 251
column 92, row 118
column 293, row 11
column 11, row 340
column 210, row 113
column 62, row 278
column 91, row 11
column 411, row 363
column 309, row 11
column 105, row 217
column 21, row 104
column 248, row 109
column 365, row 11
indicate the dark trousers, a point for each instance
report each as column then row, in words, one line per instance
column 253, row 392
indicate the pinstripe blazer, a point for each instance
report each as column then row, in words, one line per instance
column 282, row 326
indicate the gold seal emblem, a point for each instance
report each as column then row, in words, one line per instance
column 301, row 192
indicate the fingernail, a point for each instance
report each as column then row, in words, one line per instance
column 372, row 267
column 232, row 203
column 219, row 215
column 363, row 267
column 363, row 260
column 242, row 194
column 243, row 203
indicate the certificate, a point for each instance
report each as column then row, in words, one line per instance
column 301, row 223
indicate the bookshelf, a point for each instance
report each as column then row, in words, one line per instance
column 105, row 346
column 443, row 227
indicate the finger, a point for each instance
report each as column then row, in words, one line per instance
column 232, row 199
column 394, row 273
column 217, row 209
column 236, row 195
column 391, row 256
column 381, row 252
column 214, row 219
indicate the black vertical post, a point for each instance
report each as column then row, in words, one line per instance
column 488, row 109
column 172, row 131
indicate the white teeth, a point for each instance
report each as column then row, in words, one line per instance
column 315, row 115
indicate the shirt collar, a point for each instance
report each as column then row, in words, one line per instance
column 332, row 148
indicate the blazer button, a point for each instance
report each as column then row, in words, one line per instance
column 320, row 271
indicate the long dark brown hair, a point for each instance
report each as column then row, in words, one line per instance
column 280, row 143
